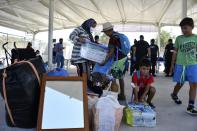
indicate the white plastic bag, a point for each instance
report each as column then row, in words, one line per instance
column 107, row 114
column 111, row 91
column 92, row 100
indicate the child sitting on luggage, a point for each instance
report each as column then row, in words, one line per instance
column 143, row 80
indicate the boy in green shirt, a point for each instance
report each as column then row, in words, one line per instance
column 186, row 62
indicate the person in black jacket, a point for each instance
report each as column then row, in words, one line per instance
column 132, row 57
column 141, row 51
column 154, row 55
column 169, row 49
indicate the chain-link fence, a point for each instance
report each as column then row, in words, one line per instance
column 21, row 42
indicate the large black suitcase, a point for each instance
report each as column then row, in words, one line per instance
column 22, row 90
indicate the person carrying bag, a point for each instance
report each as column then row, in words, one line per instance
column 119, row 46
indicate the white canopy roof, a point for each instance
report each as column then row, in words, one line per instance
column 32, row 15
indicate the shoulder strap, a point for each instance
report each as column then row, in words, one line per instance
column 5, row 98
column 138, row 75
column 115, row 34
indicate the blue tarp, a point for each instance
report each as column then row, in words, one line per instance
column 58, row 72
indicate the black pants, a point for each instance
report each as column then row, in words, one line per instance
column 153, row 65
column 167, row 66
column 132, row 67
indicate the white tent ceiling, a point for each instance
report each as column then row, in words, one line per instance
column 32, row 15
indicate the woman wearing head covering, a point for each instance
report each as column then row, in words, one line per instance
column 29, row 45
column 79, row 36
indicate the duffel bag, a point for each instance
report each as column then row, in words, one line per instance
column 20, row 89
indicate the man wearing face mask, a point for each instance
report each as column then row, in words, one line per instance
column 79, row 36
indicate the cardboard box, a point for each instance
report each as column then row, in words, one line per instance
column 94, row 52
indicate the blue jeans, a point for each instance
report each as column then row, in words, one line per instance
column 60, row 61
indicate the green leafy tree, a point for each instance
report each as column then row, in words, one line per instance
column 104, row 39
column 164, row 36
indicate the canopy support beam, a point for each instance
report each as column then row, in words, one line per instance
column 33, row 39
column 184, row 8
column 25, row 18
column 98, row 9
column 20, row 17
column 13, row 26
column 50, row 32
column 121, row 10
column 14, row 21
column 168, row 4
column 76, row 10
column 37, row 13
column 128, row 22
column 60, row 13
column 159, row 40
column 10, row 3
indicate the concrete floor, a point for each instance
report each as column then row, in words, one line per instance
column 170, row 117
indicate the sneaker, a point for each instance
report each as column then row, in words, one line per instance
column 151, row 105
column 176, row 99
column 191, row 110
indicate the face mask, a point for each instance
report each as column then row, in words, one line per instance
column 92, row 29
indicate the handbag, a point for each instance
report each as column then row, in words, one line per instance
column 20, row 91
column 119, row 67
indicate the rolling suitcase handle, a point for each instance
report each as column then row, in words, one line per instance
column 6, row 52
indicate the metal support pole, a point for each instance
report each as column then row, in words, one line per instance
column 33, row 39
column 159, row 41
column 25, row 44
column 50, row 33
column 184, row 8
column 6, row 37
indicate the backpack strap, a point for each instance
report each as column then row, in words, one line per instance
column 116, row 35
column 116, row 53
column 138, row 75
